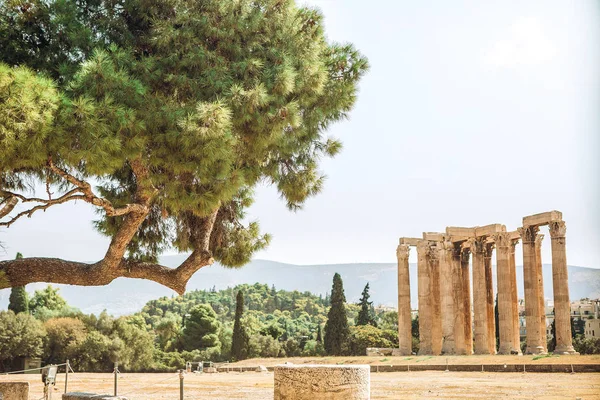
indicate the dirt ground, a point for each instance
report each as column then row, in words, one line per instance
column 391, row 385
column 427, row 360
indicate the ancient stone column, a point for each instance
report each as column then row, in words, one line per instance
column 560, row 284
column 447, row 297
column 404, row 315
column 505, row 309
column 516, row 340
column 424, row 291
column 532, row 305
column 540, row 281
column 458, row 299
column 479, row 297
column 436, row 304
column 466, row 295
column 489, row 296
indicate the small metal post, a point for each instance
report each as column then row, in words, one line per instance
column 67, row 376
column 116, row 372
column 180, row 384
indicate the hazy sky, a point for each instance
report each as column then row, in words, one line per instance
column 472, row 113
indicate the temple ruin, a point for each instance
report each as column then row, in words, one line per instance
column 449, row 323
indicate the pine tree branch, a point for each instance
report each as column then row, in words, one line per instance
column 8, row 205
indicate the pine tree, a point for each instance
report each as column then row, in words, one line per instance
column 366, row 315
column 336, row 329
column 165, row 115
column 19, row 300
column 239, row 341
column 319, row 335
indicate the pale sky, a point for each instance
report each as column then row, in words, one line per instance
column 472, row 113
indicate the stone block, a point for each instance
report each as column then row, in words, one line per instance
column 14, row 390
column 93, row 396
column 322, row 382
column 489, row 229
column 409, row 241
column 460, row 231
column 542, row 218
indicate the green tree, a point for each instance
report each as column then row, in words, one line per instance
column 21, row 335
column 47, row 299
column 176, row 109
column 201, row 328
column 366, row 315
column 336, row 328
column 239, row 340
column 19, row 300
column 63, row 337
column 364, row 336
column 319, row 335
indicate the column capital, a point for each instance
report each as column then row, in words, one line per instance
column 502, row 239
column 558, row 229
column 528, row 233
column 513, row 244
column 479, row 245
column 402, row 252
column 489, row 247
column 538, row 240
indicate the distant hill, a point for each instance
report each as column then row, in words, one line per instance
column 126, row 296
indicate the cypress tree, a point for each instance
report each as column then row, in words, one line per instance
column 366, row 315
column 18, row 301
column 319, row 335
column 240, row 338
column 336, row 328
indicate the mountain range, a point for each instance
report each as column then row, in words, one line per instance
column 126, row 296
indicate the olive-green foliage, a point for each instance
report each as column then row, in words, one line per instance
column 201, row 328
column 46, row 299
column 363, row 336
column 63, row 339
column 21, row 335
column 336, row 328
column 18, row 300
column 587, row 346
column 211, row 96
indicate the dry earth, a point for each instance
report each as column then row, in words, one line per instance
column 396, row 385
column 427, row 360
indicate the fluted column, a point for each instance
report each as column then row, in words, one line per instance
column 540, row 281
column 505, row 309
column 447, row 297
column 560, row 284
column 458, row 299
column 436, row 303
column 516, row 340
column 424, row 290
column 479, row 297
column 532, row 317
column 489, row 297
column 404, row 315
column 466, row 295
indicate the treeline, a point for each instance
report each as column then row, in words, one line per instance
column 246, row 321
column 197, row 326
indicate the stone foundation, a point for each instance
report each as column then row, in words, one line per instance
column 14, row 390
column 322, row 382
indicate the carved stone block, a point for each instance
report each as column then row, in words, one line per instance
column 14, row 390
column 322, row 382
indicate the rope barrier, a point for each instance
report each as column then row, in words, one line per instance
column 33, row 369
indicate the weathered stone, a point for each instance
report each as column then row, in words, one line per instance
column 322, row 382
column 94, row 396
column 14, row 390
column 404, row 308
